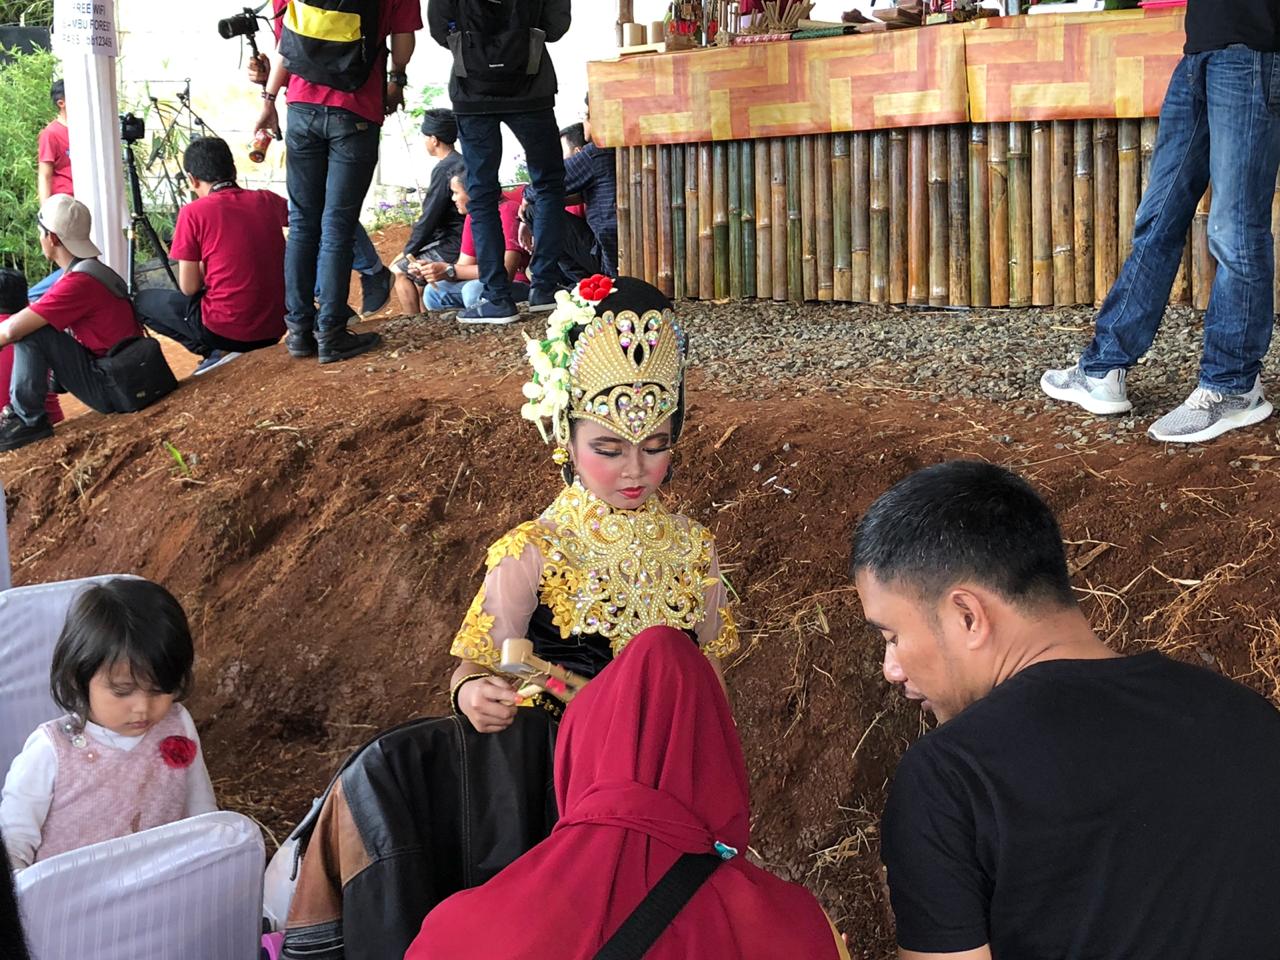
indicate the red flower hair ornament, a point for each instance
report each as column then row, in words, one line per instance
column 178, row 752
column 595, row 288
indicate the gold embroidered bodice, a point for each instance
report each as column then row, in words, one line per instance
column 604, row 573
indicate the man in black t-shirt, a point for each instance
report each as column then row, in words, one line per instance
column 1073, row 803
column 1220, row 121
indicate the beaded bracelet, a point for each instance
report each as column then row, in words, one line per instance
column 457, row 688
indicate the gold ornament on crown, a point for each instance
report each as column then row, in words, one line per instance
column 624, row 372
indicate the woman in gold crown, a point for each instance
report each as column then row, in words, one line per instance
column 606, row 559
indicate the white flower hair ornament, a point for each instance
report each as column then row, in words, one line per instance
column 546, row 393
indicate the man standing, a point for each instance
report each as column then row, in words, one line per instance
column 502, row 74
column 229, row 244
column 1073, row 802
column 53, row 156
column 339, row 89
column 437, row 236
column 75, row 324
column 1220, row 123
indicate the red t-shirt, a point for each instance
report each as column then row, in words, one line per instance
column 236, row 233
column 52, row 408
column 54, row 146
column 398, row 16
column 81, row 306
column 509, row 212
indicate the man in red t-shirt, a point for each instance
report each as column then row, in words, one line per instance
column 53, row 173
column 333, row 149
column 229, row 244
column 75, row 324
column 457, row 285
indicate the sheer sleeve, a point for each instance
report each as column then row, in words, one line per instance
column 506, row 600
column 717, row 633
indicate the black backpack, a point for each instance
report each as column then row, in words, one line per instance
column 330, row 42
column 497, row 46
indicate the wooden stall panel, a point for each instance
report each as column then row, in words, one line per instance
column 1069, row 67
column 833, row 85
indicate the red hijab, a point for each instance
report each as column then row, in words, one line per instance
column 648, row 766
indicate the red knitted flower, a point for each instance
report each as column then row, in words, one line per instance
column 595, row 288
column 178, row 752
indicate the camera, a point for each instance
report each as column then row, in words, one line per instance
column 241, row 25
column 132, row 129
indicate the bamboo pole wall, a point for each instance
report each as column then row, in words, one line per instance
column 1001, row 214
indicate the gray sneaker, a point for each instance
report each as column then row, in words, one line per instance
column 1100, row 395
column 1207, row 414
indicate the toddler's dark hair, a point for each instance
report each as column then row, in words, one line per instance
column 122, row 621
column 13, row 290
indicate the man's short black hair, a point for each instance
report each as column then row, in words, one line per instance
column 58, row 91
column 13, row 290
column 964, row 521
column 209, row 159
column 122, row 621
column 576, row 134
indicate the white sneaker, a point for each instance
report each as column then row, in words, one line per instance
column 1207, row 414
column 1101, row 395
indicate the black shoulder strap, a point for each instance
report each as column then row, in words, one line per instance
column 659, row 907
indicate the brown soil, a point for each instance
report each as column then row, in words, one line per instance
column 329, row 528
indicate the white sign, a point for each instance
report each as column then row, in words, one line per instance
column 85, row 27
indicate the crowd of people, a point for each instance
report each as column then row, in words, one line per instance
column 1069, row 802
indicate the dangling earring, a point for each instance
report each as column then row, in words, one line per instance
column 560, row 456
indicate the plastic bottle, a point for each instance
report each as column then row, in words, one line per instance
column 258, row 148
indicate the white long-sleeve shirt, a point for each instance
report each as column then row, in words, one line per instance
column 28, row 789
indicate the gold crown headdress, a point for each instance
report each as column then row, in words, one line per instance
column 625, row 371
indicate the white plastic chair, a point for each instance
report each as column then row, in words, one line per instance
column 6, row 577
column 189, row 890
column 30, row 620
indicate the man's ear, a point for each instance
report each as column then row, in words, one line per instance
column 971, row 612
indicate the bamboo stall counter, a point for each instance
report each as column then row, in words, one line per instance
column 992, row 163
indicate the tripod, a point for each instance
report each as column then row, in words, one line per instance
column 139, row 220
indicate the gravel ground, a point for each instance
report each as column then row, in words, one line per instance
column 994, row 355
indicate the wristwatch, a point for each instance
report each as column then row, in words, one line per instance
column 398, row 77
column 450, row 272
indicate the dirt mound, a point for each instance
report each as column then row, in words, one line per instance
column 326, row 527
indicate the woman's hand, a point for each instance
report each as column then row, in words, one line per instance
column 489, row 703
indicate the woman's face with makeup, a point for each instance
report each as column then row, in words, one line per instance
column 621, row 473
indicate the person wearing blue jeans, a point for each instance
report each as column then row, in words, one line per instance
column 332, row 137
column 484, row 99
column 463, row 294
column 1219, row 124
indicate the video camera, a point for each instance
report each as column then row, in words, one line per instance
column 132, row 128
column 243, row 24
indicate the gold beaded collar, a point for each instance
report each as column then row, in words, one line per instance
column 616, row 572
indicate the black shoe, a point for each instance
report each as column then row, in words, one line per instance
column 342, row 344
column 375, row 291
column 300, row 343
column 542, row 301
column 14, row 433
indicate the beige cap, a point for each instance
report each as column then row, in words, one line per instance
column 70, row 220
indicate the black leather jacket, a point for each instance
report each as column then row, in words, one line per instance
column 420, row 812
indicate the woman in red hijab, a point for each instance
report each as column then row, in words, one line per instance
column 648, row 767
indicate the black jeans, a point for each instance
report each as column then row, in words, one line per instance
column 481, row 137
column 580, row 255
column 177, row 316
column 332, row 154
column 74, row 368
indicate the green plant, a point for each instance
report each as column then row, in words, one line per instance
column 386, row 214
column 28, row 13
column 24, row 90
column 431, row 95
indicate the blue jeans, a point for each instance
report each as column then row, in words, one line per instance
column 332, row 154
column 46, row 350
column 481, row 138
column 456, row 294
column 364, row 257
column 1220, row 121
